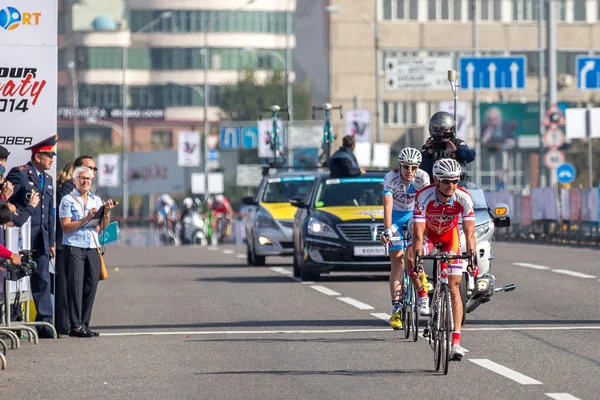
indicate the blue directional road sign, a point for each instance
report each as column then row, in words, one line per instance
column 250, row 137
column 231, row 137
column 492, row 73
column 565, row 173
column 588, row 73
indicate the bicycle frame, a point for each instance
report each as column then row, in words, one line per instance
column 274, row 134
column 328, row 136
column 438, row 330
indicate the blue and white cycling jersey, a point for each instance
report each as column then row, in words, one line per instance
column 404, row 200
column 167, row 212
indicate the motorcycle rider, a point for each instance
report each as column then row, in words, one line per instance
column 399, row 189
column 443, row 143
column 188, row 203
column 438, row 208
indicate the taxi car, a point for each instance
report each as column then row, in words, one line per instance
column 270, row 217
column 338, row 226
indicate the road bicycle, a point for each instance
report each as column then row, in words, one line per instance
column 328, row 137
column 441, row 324
column 408, row 297
column 274, row 140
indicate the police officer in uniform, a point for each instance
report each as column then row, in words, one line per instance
column 28, row 179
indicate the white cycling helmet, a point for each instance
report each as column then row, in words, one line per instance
column 219, row 198
column 188, row 202
column 410, row 155
column 446, row 168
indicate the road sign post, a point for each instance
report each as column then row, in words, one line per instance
column 493, row 73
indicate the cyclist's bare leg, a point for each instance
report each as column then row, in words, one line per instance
column 457, row 307
column 397, row 262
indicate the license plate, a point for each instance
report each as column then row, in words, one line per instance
column 370, row 251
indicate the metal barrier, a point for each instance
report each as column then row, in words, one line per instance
column 17, row 293
column 567, row 216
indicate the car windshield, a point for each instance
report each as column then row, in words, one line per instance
column 360, row 191
column 280, row 190
column 476, row 193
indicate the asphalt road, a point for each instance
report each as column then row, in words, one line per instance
column 197, row 323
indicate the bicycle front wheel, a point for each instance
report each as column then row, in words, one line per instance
column 446, row 325
column 414, row 314
column 406, row 306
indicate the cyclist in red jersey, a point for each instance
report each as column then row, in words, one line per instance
column 438, row 208
column 222, row 210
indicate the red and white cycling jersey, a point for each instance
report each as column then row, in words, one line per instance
column 442, row 217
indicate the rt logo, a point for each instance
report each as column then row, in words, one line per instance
column 11, row 18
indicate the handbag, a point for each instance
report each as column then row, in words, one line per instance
column 103, row 270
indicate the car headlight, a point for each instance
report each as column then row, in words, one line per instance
column 264, row 221
column 319, row 228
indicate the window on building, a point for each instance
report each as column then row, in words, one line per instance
column 162, row 140
column 399, row 113
column 108, row 96
column 182, row 21
column 400, row 10
column 525, row 10
column 487, row 10
column 565, row 61
column 579, row 10
column 445, row 10
column 62, row 96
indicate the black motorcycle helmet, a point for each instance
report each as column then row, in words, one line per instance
column 442, row 125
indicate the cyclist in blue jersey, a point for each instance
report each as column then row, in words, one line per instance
column 400, row 187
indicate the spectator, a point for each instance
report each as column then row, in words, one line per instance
column 80, row 245
column 28, row 180
column 343, row 162
column 65, row 185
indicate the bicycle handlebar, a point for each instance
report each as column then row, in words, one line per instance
column 274, row 109
column 444, row 257
column 327, row 107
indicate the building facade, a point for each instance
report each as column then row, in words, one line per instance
column 167, row 62
column 444, row 28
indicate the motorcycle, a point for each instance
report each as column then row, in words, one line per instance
column 475, row 291
column 194, row 229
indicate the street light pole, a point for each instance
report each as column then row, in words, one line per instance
column 74, row 84
column 476, row 122
column 288, row 61
column 377, row 64
column 204, row 52
column 125, row 136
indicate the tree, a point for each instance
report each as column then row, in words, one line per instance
column 90, row 146
column 243, row 100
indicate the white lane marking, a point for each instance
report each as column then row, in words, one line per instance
column 573, row 273
column 212, row 248
column 532, row 266
column 382, row 316
column 325, row 290
column 281, row 270
column 317, row 331
column 240, row 256
column 505, row 372
column 358, row 304
column 307, row 282
column 228, row 251
column 561, row 396
column 535, row 328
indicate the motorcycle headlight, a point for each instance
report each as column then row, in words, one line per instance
column 265, row 221
column 319, row 228
column 481, row 230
